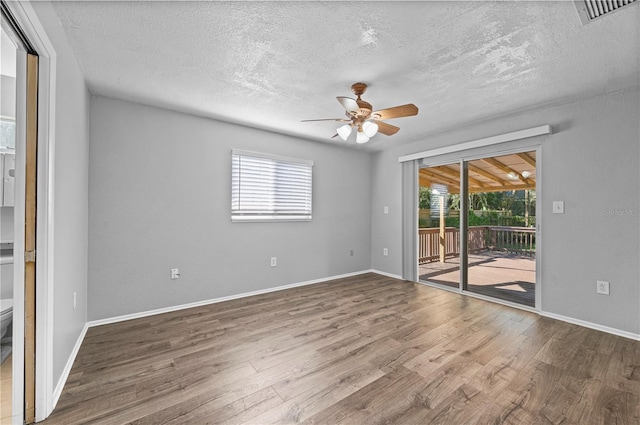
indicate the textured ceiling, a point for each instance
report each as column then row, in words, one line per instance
column 271, row 64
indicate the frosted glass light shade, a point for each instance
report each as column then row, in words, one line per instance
column 344, row 131
column 369, row 128
column 361, row 137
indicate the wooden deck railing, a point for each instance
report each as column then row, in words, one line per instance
column 519, row 240
column 429, row 244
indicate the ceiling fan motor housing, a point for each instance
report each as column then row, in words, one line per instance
column 365, row 107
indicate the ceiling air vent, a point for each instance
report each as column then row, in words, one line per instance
column 592, row 9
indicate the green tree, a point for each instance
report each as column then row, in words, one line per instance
column 424, row 198
column 478, row 201
column 453, row 201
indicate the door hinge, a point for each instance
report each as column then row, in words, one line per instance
column 29, row 256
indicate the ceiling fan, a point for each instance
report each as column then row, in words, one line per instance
column 360, row 115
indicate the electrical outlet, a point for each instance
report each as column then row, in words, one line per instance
column 175, row 273
column 274, row 261
column 385, row 251
column 602, row 287
column 386, row 210
column 351, row 253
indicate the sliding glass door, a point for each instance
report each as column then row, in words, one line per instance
column 439, row 225
column 502, row 235
column 477, row 226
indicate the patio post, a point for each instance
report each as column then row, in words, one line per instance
column 442, row 231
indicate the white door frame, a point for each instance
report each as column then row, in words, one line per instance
column 30, row 25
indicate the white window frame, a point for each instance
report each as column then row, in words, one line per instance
column 268, row 214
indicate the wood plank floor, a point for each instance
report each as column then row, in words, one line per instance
column 361, row 350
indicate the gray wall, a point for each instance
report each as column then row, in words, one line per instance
column 591, row 162
column 6, row 223
column 7, row 96
column 70, row 194
column 160, row 197
column 6, row 270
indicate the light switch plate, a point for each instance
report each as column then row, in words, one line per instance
column 602, row 287
column 558, row 207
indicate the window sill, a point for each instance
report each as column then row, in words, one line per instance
column 263, row 219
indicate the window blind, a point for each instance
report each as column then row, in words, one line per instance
column 268, row 187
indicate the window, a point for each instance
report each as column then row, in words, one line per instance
column 269, row 188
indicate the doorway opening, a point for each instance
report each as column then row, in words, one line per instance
column 491, row 203
column 8, row 70
column 19, row 141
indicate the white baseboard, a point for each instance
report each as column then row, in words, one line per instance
column 217, row 300
column 590, row 325
column 67, row 368
column 395, row 276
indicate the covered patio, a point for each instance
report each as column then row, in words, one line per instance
column 501, row 259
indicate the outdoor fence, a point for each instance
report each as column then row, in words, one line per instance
column 519, row 240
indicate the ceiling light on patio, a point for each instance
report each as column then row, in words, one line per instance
column 525, row 174
column 512, row 175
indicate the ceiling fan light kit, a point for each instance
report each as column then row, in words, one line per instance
column 361, row 138
column 370, row 128
column 344, row 131
column 368, row 122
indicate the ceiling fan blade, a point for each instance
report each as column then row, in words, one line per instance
column 328, row 119
column 349, row 104
column 387, row 129
column 396, row 112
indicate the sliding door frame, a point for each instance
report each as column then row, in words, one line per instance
column 28, row 22
column 30, row 243
column 462, row 158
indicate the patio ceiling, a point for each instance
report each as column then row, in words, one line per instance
column 498, row 174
